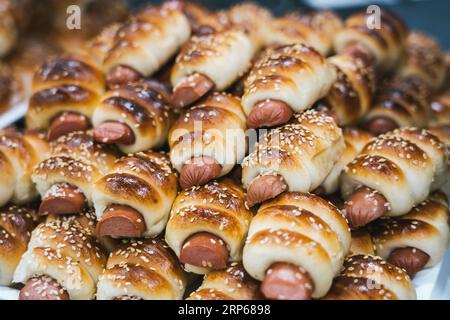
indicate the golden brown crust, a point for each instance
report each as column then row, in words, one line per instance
column 143, row 109
column 372, row 278
column 218, row 208
column 384, row 42
column 65, row 249
column 351, row 95
column 142, row 268
column 403, row 101
column 16, row 224
column 68, row 82
column 146, row 182
column 19, row 153
column 425, row 59
column 232, row 283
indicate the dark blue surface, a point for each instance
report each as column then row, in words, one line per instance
column 430, row 16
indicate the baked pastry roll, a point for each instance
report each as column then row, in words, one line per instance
column 212, row 61
column 135, row 116
column 285, row 80
column 208, row 226
column 66, row 90
column 19, row 153
column 315, row 28
column 63, row 261
column 145, row 43
column 399, row 103
column 416, row 240
column 142, row 270
column 366, row 277
column 392, row 174
column 351, row 95
column 133, row 199
column 295, row 157
column 424, row 59
column 16, row 224
column 233, row 283
column 296, row 245
column 65, row 180
column 385, row 41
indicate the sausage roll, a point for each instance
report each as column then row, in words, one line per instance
column 285, row 80
column 19, row 153
column 355, row 140
column 351, row 95
column 145, row 43
column 212, row 61
column 63, row 261
column 296, row 245
column 142, row 270
column 425, row 59
column 208, row 226
column 314, row 29
column 16, row 224
column 65, row 180
column 8, row 27
column 207, row 140
column 367, row 277
column 135, row 116
column 416, row 240
column 399, row 103
column 392, row 174
column 384, row 41
column 295, row 157
column 66, row 91
column 254, row 18
column 134, row 198
column 233, row 283
column 99, row 46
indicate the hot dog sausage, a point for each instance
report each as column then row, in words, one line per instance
column 121, row 75
column 411, row 259
column 264, row 188
column 43, row 288
column 380, row 125
column 111, row 132
column 65, row 123
column 62, row 199
column 364, row 206
column 121, row 221
column 269, row 113
column 191, row 89
column 198, row 171
column 205, row 250
column 285, row 281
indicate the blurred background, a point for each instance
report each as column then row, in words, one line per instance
column 31, row 31
column 430, row 16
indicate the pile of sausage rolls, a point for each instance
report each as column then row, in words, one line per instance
column 286, row 157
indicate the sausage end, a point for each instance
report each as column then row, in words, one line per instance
column 121, row 221
column 285, row 281
column 205, row 250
